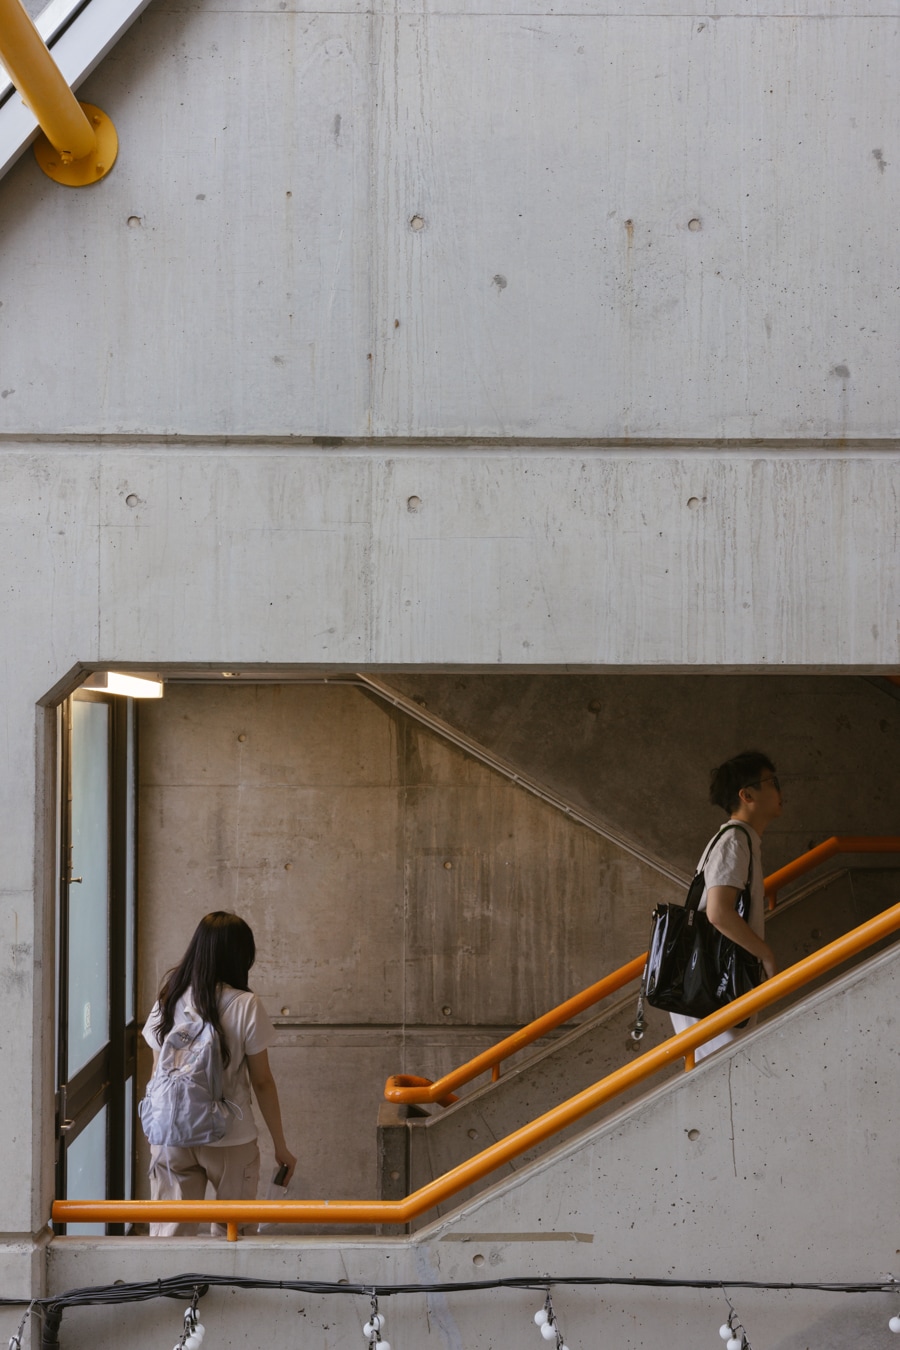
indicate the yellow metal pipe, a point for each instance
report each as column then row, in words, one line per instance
column 237, row 1212
column 838, row 843
column 407, row 1088
column 41, row 84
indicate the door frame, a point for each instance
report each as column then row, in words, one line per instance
column 109, row 1078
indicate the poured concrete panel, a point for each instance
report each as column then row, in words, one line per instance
column 435, row 892
column 636, row 751
column 641, row 223
column 410, row 906
column 524, row 558
column 620, row 214
column 222, row 281
column 223, row 555
column 638, row 224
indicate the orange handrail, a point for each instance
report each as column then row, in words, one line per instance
column 233, row 1213
column 402, row 1087
column 838, row 843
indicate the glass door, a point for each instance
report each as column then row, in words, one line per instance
column 95, row 929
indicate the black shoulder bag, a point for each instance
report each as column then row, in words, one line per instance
column 691, row 967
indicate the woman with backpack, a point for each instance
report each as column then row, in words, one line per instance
column 210, row 1036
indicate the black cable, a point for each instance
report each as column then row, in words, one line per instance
column 193, row 1286
column 183, row 1286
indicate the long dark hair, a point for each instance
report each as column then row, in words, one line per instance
column 221, row 951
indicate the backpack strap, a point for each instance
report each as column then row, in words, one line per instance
column 223, row 1007
column 227, row 1002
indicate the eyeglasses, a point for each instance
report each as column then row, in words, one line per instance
column 761, row 782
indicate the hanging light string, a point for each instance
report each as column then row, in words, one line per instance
column 732, row 1330
column 194, row 1330
column 545, row 1321
column 372, row 1329
column 193, row 1287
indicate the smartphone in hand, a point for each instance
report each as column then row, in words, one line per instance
column 280, row 1174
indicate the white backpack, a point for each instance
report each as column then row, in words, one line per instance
column 184, row 1106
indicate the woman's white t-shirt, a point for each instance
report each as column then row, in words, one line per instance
column 247, row 1031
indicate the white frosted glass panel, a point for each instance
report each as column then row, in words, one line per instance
column 86, row 1170
column 88, row 899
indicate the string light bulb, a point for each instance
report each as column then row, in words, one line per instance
column 194, row 1330
column 545, row 1321
column 372, row 1328
column 731, row 1331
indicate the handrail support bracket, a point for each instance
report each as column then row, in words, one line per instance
column 70, row 172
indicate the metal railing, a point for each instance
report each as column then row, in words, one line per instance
column 409, row 1088
column 80, row 144
column 838, row 843
column 236, row 1213
column 402, row 1087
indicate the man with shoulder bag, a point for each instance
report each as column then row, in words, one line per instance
column 747, row 789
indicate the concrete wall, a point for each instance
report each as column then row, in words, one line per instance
column 646, row 222
column 643, row 224
column 165, row 557
column 410, row 906
column 636, row 750
column 718, row 1176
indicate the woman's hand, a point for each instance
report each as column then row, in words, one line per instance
column 284, row 1157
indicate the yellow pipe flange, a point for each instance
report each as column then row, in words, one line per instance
column 63, row 168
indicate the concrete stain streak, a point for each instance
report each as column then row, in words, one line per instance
column 440, row 1318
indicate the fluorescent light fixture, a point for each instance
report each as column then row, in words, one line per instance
column 131, row 686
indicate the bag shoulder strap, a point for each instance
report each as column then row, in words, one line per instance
column 731, row 825
column 698, row 885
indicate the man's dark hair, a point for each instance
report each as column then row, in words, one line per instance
column 741, row 771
